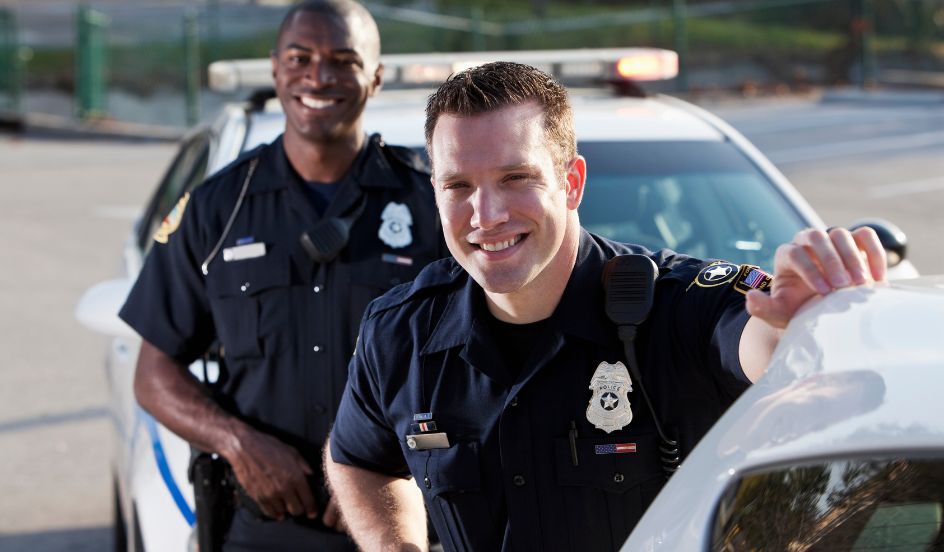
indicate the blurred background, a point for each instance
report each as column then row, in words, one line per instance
column 143, row 61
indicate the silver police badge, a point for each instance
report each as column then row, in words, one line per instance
column 395, row 228
column 609, row 407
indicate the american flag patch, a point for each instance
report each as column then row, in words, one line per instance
column 615, row 448
column 752, row 277
column 397, row 259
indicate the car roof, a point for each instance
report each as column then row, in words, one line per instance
column 399, row 115
column 856, row 373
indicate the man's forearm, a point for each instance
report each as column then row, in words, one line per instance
column 165, row 389
column 381, row 512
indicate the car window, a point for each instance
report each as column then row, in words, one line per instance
column 704, row 199
column 837, row 505
column 187, row 170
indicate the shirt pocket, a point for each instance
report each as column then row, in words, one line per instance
column 249, row 299
column 605, row 494
column 450, row 479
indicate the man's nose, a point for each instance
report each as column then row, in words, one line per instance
column 320, row 73
column 489, row 208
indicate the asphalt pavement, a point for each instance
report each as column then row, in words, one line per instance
column 65, row 207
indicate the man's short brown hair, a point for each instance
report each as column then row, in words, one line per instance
column 500, row 84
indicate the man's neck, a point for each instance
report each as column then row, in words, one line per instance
column 538, row 300
column 322, row 161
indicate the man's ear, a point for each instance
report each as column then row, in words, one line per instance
column 576, row 178
column 378, row 79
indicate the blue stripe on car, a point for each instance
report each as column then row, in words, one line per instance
column 164, row 468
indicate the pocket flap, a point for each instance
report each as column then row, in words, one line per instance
column 608, row 468
column 248, row 277
column 454, row 469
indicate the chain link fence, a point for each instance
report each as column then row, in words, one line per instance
column 145, row 62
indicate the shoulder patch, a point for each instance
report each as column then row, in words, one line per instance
column 172, row 221
column 752, row 277
column 716, row 274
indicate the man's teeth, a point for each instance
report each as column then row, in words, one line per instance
column 501, row 245
column 315, row 104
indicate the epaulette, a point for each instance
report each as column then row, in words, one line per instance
column 401, row 155
column 434, row 276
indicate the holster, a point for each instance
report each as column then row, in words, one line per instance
column 214, row 499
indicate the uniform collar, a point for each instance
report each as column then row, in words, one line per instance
column 371, row 169
column 580, row 313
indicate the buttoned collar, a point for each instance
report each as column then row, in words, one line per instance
column 580, row 312
column 370, row 169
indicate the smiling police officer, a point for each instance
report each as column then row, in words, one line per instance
column 276, row 258
column 496, row 379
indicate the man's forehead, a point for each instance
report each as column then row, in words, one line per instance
column 309, row 25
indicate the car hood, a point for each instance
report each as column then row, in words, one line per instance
column 856, row 372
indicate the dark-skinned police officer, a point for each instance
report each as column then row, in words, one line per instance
column 275, row 259
column 496, row 379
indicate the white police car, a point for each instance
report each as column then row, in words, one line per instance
column 662, row 173
column 839, row 446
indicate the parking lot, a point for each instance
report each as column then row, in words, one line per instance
column 65, row 207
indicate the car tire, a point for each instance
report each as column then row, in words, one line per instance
column 119, row 527
column 138, row 539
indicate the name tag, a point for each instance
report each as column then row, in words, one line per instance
column 240, row 252
column 426, row 441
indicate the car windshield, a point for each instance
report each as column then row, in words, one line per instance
column 701, row 198
column 838, row 505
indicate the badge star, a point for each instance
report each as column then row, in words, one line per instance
column 609, row 401
column 716, row 273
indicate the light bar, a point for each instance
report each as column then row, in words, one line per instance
column 582, row 66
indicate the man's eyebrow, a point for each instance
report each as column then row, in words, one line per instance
column 453, row 176
column 295, row 46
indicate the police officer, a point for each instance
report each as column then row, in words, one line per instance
column 496, row 380
column 276, row 257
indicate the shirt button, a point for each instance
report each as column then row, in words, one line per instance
column 317, row 289
column 316, row 348
column 244, row 287
column 514, row 401
column 518, row 480
column 618, row 477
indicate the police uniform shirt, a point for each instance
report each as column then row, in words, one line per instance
column 509, row 478
column 286, row 325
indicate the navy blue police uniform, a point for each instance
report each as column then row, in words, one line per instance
column 521, row 466
column 286, row 325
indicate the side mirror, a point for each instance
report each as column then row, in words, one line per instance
column 893, row 239
column 896, row 247
column 98, row 308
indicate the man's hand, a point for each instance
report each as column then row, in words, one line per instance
column 274, row 474
column 332, row 516
column 815, row 263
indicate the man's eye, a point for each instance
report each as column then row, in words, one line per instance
column 455, row 186
column 347, row 62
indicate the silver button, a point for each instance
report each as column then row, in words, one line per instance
column 518, row 480
column 244, row 287
column 316, row 348
column 317, row 289
column 618, row 477
column 514, row 401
